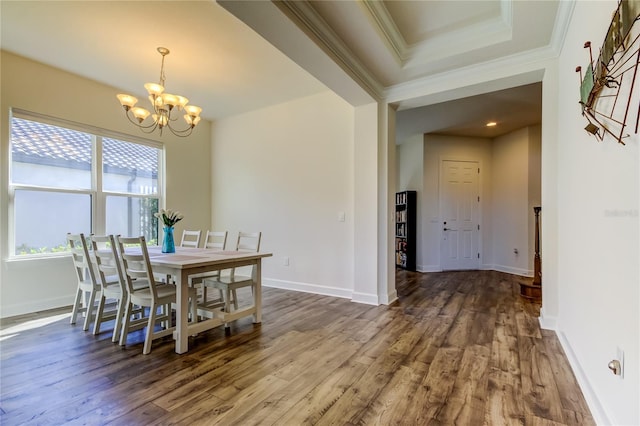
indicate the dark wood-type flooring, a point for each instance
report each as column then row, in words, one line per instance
column 458, row 348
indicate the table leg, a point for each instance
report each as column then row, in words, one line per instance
column 257, row 317
column 182, row 309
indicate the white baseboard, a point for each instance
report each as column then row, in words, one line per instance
column 597, row 411
column 429, row 268
column 366, row 298
column 547, row 322
column 509, row 270
column 308, row 288
column 36, row 306
column 391, row 297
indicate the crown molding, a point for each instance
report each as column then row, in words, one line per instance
column 388, row 29
column 303, row 13
column 561, row 26
column 407, row 55
column 523, row 68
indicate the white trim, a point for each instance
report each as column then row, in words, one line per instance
column 307, row 16
column 511, row 270
column 387, row 28
column 308, row 288
column 596, row 408
column 366, row 298
column 429, row 268
column 392, row 296
column 547, row 322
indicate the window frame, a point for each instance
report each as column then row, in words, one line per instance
column 97, row 195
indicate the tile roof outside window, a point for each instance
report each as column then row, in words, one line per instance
column 44, row 144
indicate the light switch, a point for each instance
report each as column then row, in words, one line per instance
column 340, row 216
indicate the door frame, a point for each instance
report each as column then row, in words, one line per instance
column 480, row 204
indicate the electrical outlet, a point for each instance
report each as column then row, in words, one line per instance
column 285, row 261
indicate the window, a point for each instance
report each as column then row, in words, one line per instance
column 64, row 179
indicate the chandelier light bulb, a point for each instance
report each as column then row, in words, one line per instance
column 140, row 114
column 154, row 89
column 127, row 101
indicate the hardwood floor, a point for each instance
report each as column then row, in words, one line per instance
column 457, row 348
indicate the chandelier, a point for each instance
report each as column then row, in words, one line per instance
column 166, row 108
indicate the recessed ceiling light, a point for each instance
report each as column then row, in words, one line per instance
column 491, row 124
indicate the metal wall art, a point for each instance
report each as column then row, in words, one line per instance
column 607, row 86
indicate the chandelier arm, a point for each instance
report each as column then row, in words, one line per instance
column 181, row 133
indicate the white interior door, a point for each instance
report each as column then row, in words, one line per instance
column 459, row 213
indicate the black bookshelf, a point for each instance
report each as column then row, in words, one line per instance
column 406, row 230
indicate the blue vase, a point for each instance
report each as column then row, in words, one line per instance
column 168, row 245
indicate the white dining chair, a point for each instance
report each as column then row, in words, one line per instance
column 109, row 273
column 88, row 287
column 213, row 240
column 229, row 281
column 137, row 268
column 190, row 238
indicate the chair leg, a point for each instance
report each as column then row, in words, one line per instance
column 89, row 310
column 227, row 305
column 117, row 323
column 235, row 299
column 99, row 312
column 150, row 327
column 125, row 324
column 76, row 306
column 194, row 308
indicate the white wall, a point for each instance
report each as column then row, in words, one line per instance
column 598, row 241
column 287, row 171
column 29, row 285
column 510, row 202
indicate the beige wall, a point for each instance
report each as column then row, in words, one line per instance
column 27, row 285
column 512, row 195
column 288, row 171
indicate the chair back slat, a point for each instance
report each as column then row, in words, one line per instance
column 107, row 260
column 247, row 242
column 135, row 262
column 190, row 238
column 81, row 259
column 216, row 240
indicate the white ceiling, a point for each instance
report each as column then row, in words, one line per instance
column 225, row 67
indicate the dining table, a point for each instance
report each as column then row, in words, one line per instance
column 189, row 261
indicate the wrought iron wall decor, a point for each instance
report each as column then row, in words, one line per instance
column 613, row 73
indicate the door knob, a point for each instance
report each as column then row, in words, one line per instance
column 445, row 229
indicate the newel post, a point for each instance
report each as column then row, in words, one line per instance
column 533, row 289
